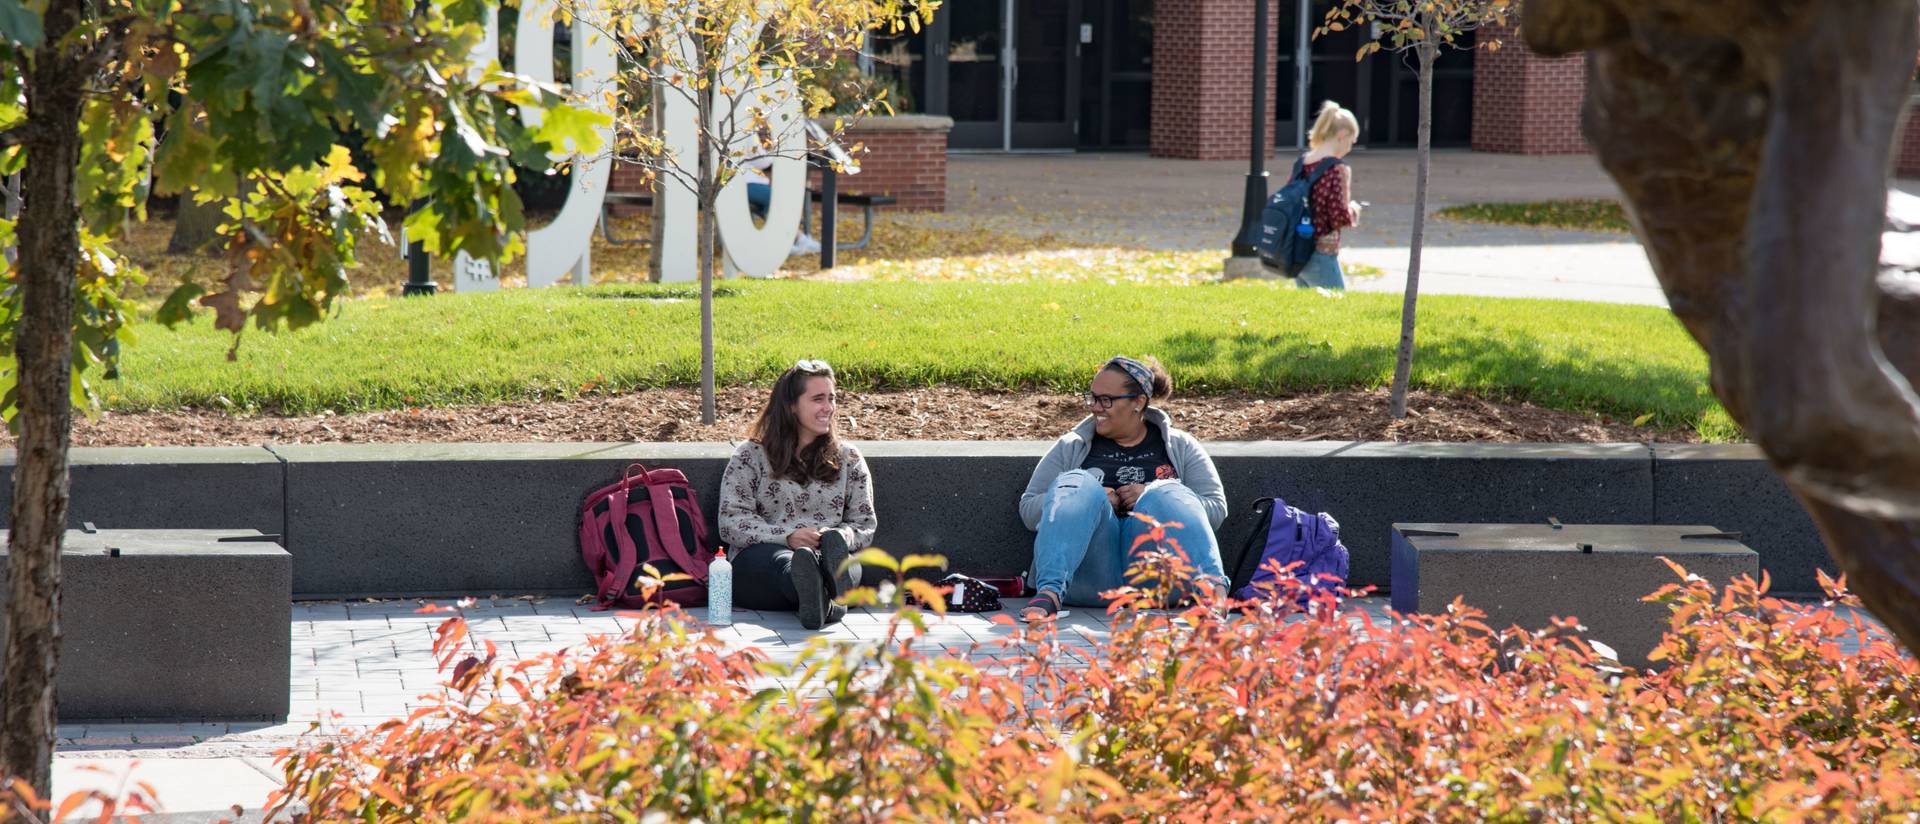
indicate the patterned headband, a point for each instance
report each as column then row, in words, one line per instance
column 1136, row 370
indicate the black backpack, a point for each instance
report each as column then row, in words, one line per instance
column 1286, row 225
column 967, row 594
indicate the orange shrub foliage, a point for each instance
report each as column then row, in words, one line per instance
column 19, row 804
column 1759, row 714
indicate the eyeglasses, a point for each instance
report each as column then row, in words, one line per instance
column 810, row 365
column 1106, row 401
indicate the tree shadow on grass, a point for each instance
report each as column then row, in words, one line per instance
column 1509, row 367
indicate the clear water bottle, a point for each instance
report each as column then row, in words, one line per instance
column 720, row 589
column 1305, row 227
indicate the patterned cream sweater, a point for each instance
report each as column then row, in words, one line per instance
column 756, row 508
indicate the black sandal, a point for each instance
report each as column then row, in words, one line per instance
column 1043, row 606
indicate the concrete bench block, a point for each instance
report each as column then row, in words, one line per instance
column 179, row 625
column 1733, row 485
column 436, row 520
column 1369, row 486
column 1527, row 574
column 166, row 487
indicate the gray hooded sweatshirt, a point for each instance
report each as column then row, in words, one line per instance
column 1190, row 460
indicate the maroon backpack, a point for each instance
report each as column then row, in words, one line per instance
column 648, row 517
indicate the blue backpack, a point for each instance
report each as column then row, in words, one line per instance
column 1284, row 535
column 1286, row 224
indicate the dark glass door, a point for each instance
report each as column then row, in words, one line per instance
column 973, row 42
column 1036, row 105
column 1336, row 76
column 1046, row 86
column 1289, row 72
column 1116, row 71
column 901, row 58
column 1397, row 91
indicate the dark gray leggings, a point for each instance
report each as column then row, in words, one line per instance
column 763, row 578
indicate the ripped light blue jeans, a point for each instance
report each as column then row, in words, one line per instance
column 1083, row 548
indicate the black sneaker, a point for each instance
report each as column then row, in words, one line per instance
column 833, row 562
column 811, row 589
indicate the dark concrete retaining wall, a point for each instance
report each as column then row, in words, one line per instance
column 457, row 519
column 447, row 519
column 1732, row 487
column 166, row 487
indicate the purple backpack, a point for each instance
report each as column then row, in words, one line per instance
column 1284, row 535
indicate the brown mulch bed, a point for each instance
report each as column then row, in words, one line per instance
column 937, row 413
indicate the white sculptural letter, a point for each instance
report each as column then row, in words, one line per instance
column 565, row 245
column 759, row 251
column 755, row 251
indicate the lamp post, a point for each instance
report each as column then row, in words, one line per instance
column 419, row 279
column 1245, row 243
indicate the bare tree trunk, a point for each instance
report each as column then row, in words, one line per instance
column 707, row 406
column 1403, row 365
column 707, row 229
column 656, row 224
column 10, row 192
column 43, row 345
column 195, row 225
column 656, row 234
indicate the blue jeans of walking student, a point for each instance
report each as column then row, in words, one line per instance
column 1083, row 548
column 1322, row 271
column 759, row 198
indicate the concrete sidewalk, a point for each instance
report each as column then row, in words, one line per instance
column 1136, row 200
column 189, row 790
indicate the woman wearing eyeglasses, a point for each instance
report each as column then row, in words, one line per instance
column 1126, row 457
column 795, row 502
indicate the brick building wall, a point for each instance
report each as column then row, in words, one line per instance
column 1527, row 104
column 1906, row 150
column 905, row 156
column 627, row 177
column 1202, row 78
column 1524, row 103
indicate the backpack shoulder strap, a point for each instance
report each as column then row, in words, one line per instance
column 666, row 524
column 611, row 589
column 703, row 545
column 593, row 545
column 1256, row 546
column 1324, row 167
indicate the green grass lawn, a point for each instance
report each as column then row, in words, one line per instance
column 1584, row 215
column 1261, row 337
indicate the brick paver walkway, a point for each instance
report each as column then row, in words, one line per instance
column 370, row 662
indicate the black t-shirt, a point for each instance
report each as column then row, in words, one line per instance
column 1142, row 463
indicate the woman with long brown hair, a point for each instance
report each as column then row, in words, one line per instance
column 796, row 502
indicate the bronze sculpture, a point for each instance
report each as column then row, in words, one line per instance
column 1751, row 140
